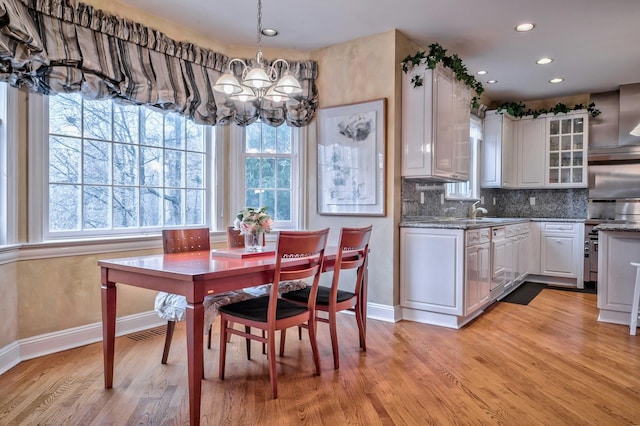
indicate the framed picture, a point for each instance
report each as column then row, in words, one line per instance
column 351, row 159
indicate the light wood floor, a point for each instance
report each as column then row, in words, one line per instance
column 548, row 363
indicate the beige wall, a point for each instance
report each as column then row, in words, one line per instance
column 8, row 304
column 358, row 71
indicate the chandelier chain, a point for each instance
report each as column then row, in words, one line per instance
column 259, row 37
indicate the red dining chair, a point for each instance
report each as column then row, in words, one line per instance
column 299, row 255
column 352, row 253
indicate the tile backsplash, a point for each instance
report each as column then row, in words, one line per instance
column 548, row 203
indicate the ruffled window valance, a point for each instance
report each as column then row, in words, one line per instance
column 58, row 46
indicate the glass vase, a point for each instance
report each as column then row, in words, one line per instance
column 253, row 242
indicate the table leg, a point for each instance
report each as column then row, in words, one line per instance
column 109, row 294
column 195, row 326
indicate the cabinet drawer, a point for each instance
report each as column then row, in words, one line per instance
column 478, row 236
column 558, row 227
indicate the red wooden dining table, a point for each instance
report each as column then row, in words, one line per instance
column 193, row 275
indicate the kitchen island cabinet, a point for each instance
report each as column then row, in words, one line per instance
column 618, row 245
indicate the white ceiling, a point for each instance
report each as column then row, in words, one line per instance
column 595, row 44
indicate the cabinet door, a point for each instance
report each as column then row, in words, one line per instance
column 417, row 110
column 461, row 136
column 478, row 277
column 491, row 151
column 444, row 119
column 557, row 255
column 566, row 155
column 509, row 156
column 523, row 256
column 530, row 152
column 432, row 270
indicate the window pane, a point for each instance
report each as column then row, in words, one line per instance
column 64, row 160
column 152, row 125
column 195, row 210
column 64, row 207
column 195, row 170
column 284, row 173
column 174, row 131
column 253, row 137
column 125, row 207
column 174, row 168
column 284, row 140
column 252, row 198
column 173, row 206
column 97, row 162
column 283, row 206
column 125, row 164
column 252, row 173
column 269, row 200
column 96, row 207
column 268, row 139
column 151, row 207
column 65, row 115
column 268, row 173
column 151, row 166
column 195, row 137
column 97, row 119
column 126, row 123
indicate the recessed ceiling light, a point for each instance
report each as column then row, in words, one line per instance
column 544, row 61
column 525, row 27
column 556, row 80
column 269, row 32
column 481, row 72
column 492, row 81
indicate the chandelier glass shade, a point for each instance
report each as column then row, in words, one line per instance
column 259, row 81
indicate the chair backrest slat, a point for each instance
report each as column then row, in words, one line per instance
column 353, row 242
column 185, row 240
column 299, row 255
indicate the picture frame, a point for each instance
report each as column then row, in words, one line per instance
column 351, row 159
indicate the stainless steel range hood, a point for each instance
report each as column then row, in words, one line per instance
column 609, row 133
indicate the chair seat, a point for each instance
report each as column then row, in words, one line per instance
column 321, row 299
column 284, row 287
column 173, row 307
column 255, row 309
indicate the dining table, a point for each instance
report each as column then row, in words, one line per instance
column 193, row 275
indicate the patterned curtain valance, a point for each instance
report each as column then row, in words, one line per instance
column 58, row 46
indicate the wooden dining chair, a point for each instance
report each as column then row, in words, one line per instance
column 299, row 255
column 172, row 307
column 353, row 242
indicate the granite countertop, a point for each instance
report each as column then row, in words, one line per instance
column 618, row 227
column 460, row 223
column 481, row 222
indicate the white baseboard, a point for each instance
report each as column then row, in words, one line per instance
column 384, row 312
column 44, row 344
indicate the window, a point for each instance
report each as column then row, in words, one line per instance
column 269, row 173
column 8, row 164
column 469, row 190
column 118, row 168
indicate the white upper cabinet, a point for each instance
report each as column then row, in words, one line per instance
column 435, row 125
column 566, row 156
column 544, row 152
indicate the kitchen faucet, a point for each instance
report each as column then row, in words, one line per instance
column 474, row 211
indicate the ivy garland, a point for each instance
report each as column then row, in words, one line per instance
column 436, row 55
column 519, row 109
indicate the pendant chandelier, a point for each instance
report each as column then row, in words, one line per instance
column 259, row 82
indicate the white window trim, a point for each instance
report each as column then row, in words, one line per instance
column 38, row 212
column 9, row 160
column 236, row 176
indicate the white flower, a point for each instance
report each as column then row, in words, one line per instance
column 251, row 220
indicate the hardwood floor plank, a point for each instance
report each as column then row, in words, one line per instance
column 549, row 362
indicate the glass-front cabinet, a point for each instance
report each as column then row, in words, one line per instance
column 566, row 162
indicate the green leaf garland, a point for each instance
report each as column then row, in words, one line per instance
column 519, row 109
column 436, row 55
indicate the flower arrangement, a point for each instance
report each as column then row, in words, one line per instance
column 251, row 220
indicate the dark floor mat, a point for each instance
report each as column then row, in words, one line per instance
column 524, row 294
column 578, row 290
